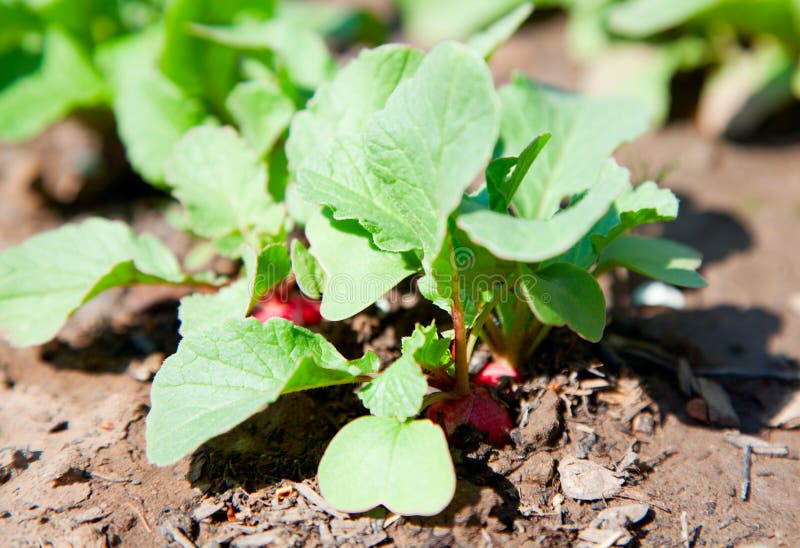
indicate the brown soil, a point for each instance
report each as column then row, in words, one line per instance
column 72, row 413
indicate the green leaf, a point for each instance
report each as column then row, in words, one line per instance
column 644, row 204
column 273, row 265
column 201, row 68
column 46, row 278
column 199, row 311
column 563, row 294
column 397, row 392
column 152, row 115
column 222, row 375
column 343, row 105
column 301, row 50
column 585, row 130
column 426, row 346
column 640, row 18
column 262, row 111
column 419, row 155
column 425, row 147
column 748, row 86
column 66, row 80
column 405, row 466
column 262, row 272
column 487, row 41
column 357, row 273
column 429, row 21
column 500, row 187
column 308, row 273
column 220, row 181
column 656, row 258
column 534, row 240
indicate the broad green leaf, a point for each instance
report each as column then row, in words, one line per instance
column 585, row 130
column 272, row 266
column 343, row 105
column 66, row 80
column 152, row 115
column 222, row 375
column 397, row 392
column 419, row 154
column 487, row 41
column 201, row 68
column 644, row 204
column 640, row 18
column 301, row 50
column 308, row 273
column 405, row 466
column 425, row 147
column 46, row 278
column 429, row 21
column 125, row 60
column 647, row 203
column 426, row 346
column 262, row 272
column 655, row 258
column 199, row 310
column 262, row 111
column 356, row 272
column 220, row 181
column 644, row 71
column 564, row 294
column 746, row 88
column 534, row 240
column 502, row 188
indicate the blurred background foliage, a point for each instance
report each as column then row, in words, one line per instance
column 163, row 66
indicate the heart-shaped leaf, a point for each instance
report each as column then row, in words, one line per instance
column 405, row 466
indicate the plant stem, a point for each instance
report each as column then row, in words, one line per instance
column 493, row 336
column 477, row 326
column 541, row 333
column 460, row 338
column 519, row 327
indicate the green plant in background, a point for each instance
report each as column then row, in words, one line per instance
column 164, row 68
column 750, row 49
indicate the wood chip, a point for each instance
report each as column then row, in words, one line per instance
column 315, row 499
column 759, row 446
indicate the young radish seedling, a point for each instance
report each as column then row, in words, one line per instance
column 510, row 261
column 383, row 157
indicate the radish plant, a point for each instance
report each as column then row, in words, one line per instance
column 384, row 160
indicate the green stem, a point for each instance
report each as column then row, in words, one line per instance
column 542, row 333
column 477, row 326
column 493, row 336
column 519, row 327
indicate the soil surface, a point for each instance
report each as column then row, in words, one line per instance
column 652, row 415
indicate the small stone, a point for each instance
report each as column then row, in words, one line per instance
column 533, row 478
column 697, row 409
column 587, row 480
column 144, row 370
column 658, row 294
column 644, row 423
